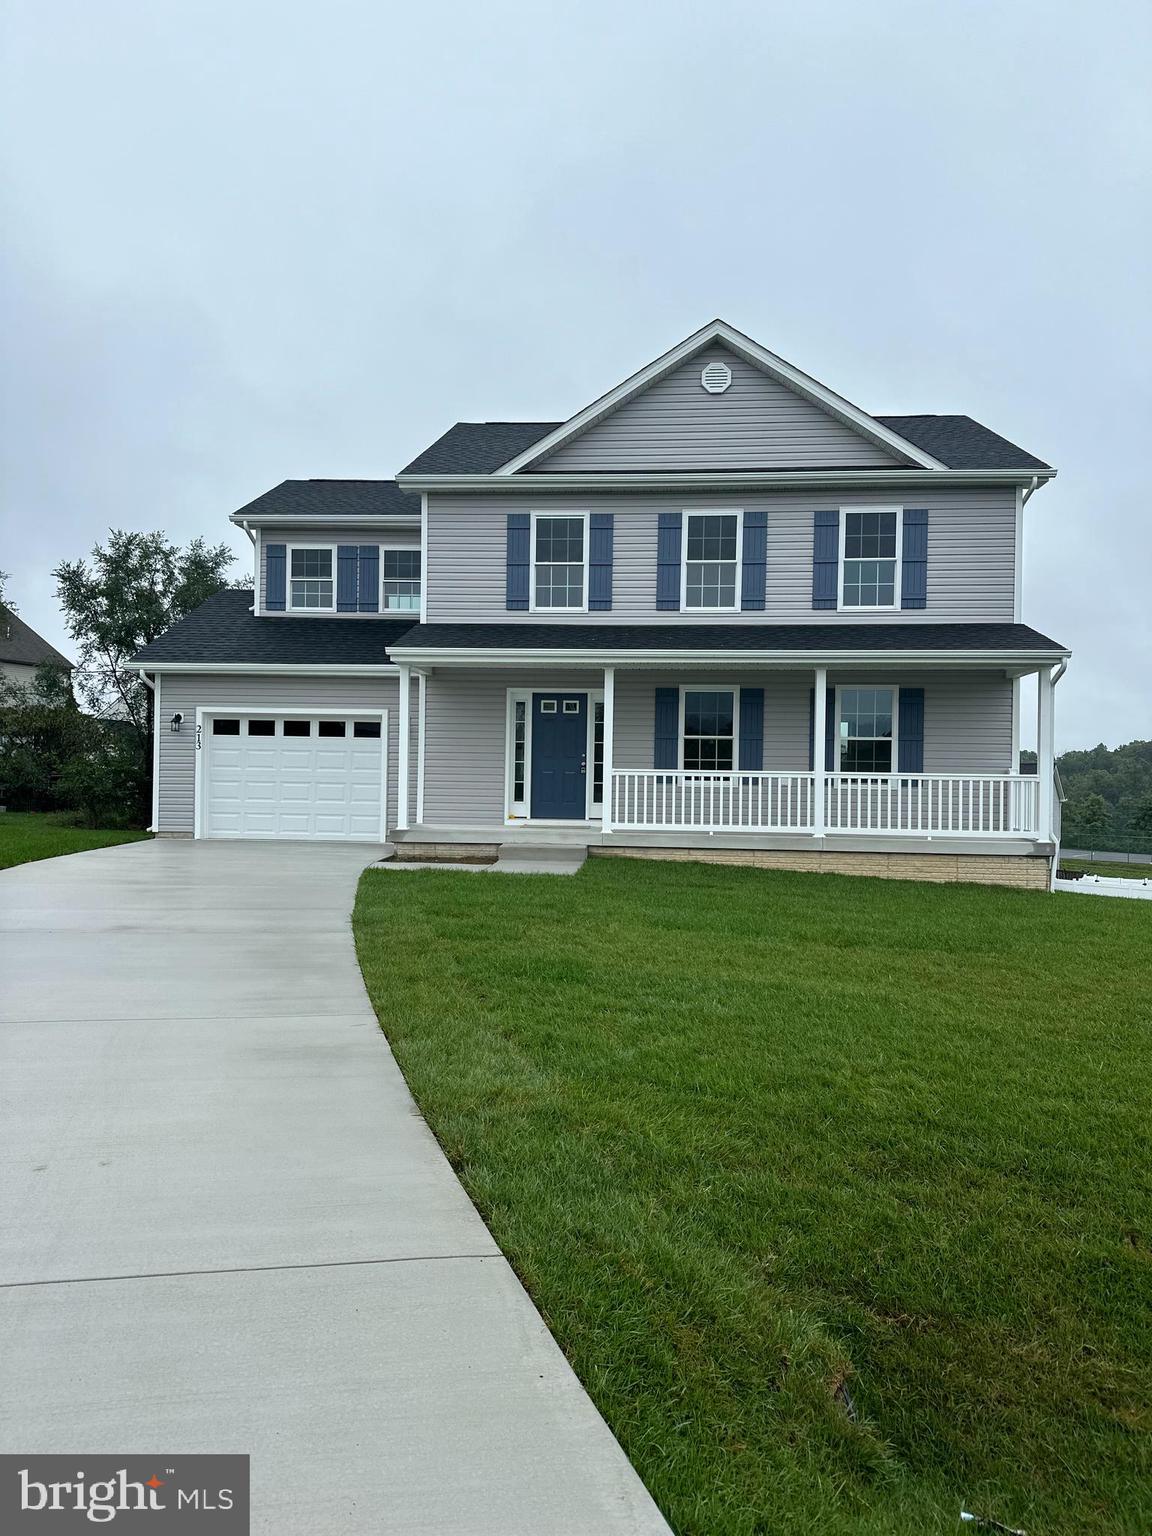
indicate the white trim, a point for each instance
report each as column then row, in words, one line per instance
column 720, row 480
column 415, row 614
column 155, row 827
column 1045, row 750
column 403, row 722
column 795, row 660
column 270, row 669
column 289, row 551
column 519, row 812
column 752, row 352
column 258, row 584
column 685, row 514
column 893, row 689
column 319, row 519
column 533, row 607
column 819, row 752
column 897, row 579
column 424, row 557
column 609, row 702
column 1018, row 555
column 231, row 711
column 1016, row 691
column 709, row 687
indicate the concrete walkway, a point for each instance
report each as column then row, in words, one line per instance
column 227, row 1228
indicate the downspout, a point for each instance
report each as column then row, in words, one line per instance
column 1058, row 787
column 255, row 560
column 1030, row 490
column 151, row 682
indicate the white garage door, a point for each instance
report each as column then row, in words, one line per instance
column 294, row 775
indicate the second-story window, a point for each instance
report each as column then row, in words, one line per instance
column 400, row 573
column 711, row 559
column 871, row 551
column 310, row 577
column 559, row 554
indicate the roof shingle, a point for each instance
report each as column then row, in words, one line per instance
column 224, row 629
column 733, row 637
column 333, row 499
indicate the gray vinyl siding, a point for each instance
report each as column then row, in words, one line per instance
column 971, row 555
column 187, row 692
column 394, row 538
column 967, row 725
column 756, row 423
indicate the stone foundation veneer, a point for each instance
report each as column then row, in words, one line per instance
column 1024, row 872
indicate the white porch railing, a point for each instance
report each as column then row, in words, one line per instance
column 671, row 800
column 895, row 804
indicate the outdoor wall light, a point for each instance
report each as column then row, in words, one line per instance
column 176, row 722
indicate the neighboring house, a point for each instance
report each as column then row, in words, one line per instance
column 22, row 651
column 721, row 612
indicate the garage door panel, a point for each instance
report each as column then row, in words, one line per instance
column 261, row 785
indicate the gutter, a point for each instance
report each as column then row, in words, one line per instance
column 478, row 655
column 322, row 519
column 538, row 484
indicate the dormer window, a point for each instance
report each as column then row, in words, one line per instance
column 311, row 581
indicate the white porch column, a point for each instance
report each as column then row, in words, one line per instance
column 402, row 747
column 819, row 718
column 609, row 721
column 421, row 722
column 1045, row 750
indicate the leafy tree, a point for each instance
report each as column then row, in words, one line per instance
column 41, row 732
column 1142, row 816
column 1088, row 813
column 136, row 586
column 5, row 605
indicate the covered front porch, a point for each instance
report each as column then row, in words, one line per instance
column 716, row 749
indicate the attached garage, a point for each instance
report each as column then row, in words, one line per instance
column 317, row 775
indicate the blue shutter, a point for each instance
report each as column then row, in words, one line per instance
column 666, row 750
column 914, row 560
column 752, row 729
column 825, row 558
column 755, row 561
column 829, row 729
column 600, row 562
column 368, row 589
column 276, row 577
column 347, row 577
column 519, row 560
column 668, row 564
column 911, row 730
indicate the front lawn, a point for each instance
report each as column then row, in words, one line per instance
column 27, row 835
column 835, row 1192
column 1109, row 870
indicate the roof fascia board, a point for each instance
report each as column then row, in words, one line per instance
column 751, row 351
column 540, row 485
column 353, row 669
column 517, row 656
column 321, row 519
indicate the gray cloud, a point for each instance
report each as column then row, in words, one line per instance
column 246, row 242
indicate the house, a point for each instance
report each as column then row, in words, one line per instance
column 720, row 613
column 23, row 652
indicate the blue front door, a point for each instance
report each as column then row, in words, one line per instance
column 559, row 756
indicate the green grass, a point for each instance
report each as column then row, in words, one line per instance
column 752, row 1140
column 26, row 835
column 1113, row 871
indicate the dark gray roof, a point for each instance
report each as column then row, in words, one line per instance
column 733, row 637
column 333, row 498
column 479, row 447
column 21, row 645
column 961, row 443
column 225, row 629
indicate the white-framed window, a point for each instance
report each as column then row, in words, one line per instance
column 710, row 579
column 400, row 580
column 560, row 560
column 708, row 729
column 870, row 541
column 312, row 577
column 866, row 730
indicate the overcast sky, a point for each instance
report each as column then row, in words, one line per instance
column 248, row 240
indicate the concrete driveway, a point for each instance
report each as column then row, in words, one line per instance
column 227, row 1228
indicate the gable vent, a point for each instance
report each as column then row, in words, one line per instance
column 716, row 378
